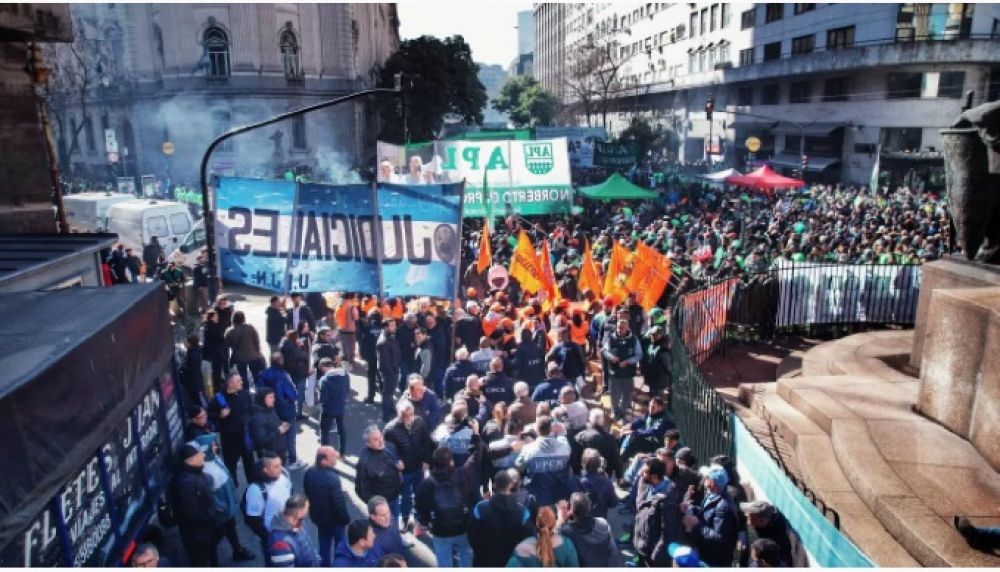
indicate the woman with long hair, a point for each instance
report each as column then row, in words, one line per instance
column 547, row 548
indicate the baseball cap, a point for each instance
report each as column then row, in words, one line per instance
column 656, row 316
column 684, row 556
column 716, row 473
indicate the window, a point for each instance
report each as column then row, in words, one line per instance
column 803, row 44
column 839, row 38
column 775, row 11
column 179, row 223
column 74, row 142
column 937, row 21
column 221, row 122
column 903, row 85
column 799, row 92
column 299, row 132
column 290, row 55
column 725, row 16
column 703, row 22
column 692, row 62
column 216, row 46
column 895, row 139
column 744, row 96
column 694, row 24
column 88, row 131
column 835, row 89
column 772, row 51
column 803, row 8
column 724, row 54
column 950, row 84
column 715, row 17
column 746, row 57
column 770, row 94
column 157, row 226
column 748, row 19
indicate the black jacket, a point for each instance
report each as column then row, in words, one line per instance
column 657, row 523
column 455, row 376
column 305, row 314
column 264, row 433
column 327, row 500
column 529, row 364
column 377, row 475
column 717, row 533
column 468, row 330
column 777, row 530
column 296, row 359
column 496, row 526
column 215, row 342
column 389, row 357
column 240, row 409
column 413, row 445
column 606, row 445
column 498, row 387
column 194, row 506
column 275, row 325
column 405, row 336
column 595, row 544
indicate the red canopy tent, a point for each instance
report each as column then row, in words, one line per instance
column 764, row 179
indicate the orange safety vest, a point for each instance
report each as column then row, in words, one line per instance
column 489, row 325
column 579, row 334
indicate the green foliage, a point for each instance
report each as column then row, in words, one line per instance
column 440, row 79
column 648, row 138
column 526, row 102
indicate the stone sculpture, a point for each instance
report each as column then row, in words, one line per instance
column 972, row 175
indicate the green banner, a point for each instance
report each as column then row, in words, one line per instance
column 614, row 154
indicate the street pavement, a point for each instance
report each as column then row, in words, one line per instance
column 252, row 303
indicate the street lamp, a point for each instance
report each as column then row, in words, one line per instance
column 39, row 73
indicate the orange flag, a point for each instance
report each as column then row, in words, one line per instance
column 590, row 276
column 650, row 275
column 525, row 266
column 549, row 282
column 614, row 281
column 485, row 250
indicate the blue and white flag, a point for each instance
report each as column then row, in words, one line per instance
column 420, row 233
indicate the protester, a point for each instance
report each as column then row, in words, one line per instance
column 545, row 463
column 498, row 524
column 645, row 435
column 442, row 506
column 289, row 545
column 266, row 495
column 765, row 553
column 214, row 349
column 224, row 496
column 658, row 515
column 596, row 484
column 623, row 353
column 547, row 548
column 458, row 373
column 548, row 390
column 529, row 360
column 266, row 430
column 766, row 522
column 195, row 510
column 230, row 412
column 334, row 387
column 410, row 437
column 356, row 550
column 476, row 404
column 378, row 470
column 145, row 556
column 425, row 402
column 275, row 329
column 327, row 501
column 523, row 408
column 388, row 539
column 713, row 525
column 389, row 356
column 497, row 386
column 244, row 343
column 590, row 534
column 278, row 379
column 597, row 437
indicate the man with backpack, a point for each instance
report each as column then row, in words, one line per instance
column 443, row 507
column 224, row 496
column 592, row 537
column 327, row 502
column 498, row 524
column 266, row 495
column 658, row 515
column 194, row 509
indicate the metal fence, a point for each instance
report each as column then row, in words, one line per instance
column 829, row 300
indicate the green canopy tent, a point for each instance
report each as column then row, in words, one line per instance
column 616, row 188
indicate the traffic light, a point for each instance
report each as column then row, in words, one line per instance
column 709, row 108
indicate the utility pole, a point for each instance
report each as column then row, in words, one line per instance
column 709, row 108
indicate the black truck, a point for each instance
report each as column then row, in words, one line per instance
column 90, row 422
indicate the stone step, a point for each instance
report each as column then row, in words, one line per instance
column 790, row 366
column 786, row 421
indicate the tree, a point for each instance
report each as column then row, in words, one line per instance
column 526, row 102
column 647, row 137
column 593, row 79
column 440, row 80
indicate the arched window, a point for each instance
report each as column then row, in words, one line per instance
column 290, row 54
column 216, row 44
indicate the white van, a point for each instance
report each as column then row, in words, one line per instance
column 89, row 211
column 191, row 247
column 137, row 221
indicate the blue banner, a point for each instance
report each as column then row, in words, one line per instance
column 252, row 230
column 282, row 236
column 421, row 236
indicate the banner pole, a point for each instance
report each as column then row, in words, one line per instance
column 293, row 240
column 378, row 245
column 458, row 268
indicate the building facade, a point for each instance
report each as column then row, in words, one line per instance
column 164, row 79
column 492, row 76
column 523, row 63
column 549, row 61
column 844, row 85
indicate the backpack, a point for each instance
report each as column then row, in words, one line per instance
column 449, row 514
column 255, row 523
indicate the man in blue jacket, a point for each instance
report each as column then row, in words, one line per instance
column 289, row 545
column 646, row 434
column 285, row 399
column 334, row 386
column 356, row 550
column 713, row 525
column 327, row 502
column 457, row 373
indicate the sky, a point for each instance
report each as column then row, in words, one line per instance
column 488, row 27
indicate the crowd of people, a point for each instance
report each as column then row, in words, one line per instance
column 512, row 425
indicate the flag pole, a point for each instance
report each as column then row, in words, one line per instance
column 379, row 247
column 458, row 269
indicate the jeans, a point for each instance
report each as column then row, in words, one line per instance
column 446, row 547
column 372, row 375
column 621, row 396
column 290, row 439
column 255, row 368
column 437, row 380
column 388, row 396
column 326, row 421
column 348, row 341
column 411, row 482
column 300, row 389
column 329, row 536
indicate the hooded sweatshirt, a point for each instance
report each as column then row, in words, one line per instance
column 594, row 543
